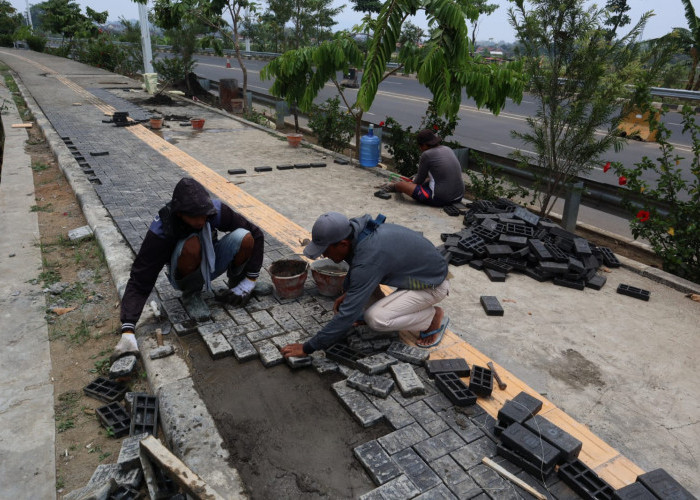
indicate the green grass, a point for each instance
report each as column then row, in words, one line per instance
column 81, row 334
column 65, row 410
column 41, row 208
column 49, row 276
column 101, row 367
column 39, row 167
column 75, row 293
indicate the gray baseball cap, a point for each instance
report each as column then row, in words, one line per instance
column 329, row 228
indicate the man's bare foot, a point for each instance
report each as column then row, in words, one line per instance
column 434, row 325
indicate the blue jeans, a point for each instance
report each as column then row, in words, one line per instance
column 225, row 251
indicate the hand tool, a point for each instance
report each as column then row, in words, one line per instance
column 501, row 384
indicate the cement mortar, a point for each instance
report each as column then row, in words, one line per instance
column 288, row 435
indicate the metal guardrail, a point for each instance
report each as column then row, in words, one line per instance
column 598, row 195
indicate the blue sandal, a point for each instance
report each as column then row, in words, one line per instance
column 439, row 332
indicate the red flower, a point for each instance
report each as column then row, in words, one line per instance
column 643, row 215
column 436, row 128
column 606, row 167
column 622, row 180
column 381, row 124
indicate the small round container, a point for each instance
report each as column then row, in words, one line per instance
column 329, row 276
column 288, row 277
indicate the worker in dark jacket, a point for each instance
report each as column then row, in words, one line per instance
column 438, row 181
column 183, row 237
column 379, row 253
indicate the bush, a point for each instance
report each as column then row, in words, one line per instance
column 438, row 124
column 332, row 126
column 173, row 69
column 37, row 43
column 101, row 53
column 486, row 183
column 674, row 234
column 402, row 145
column 6, row 40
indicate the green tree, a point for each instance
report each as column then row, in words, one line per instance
column 131, row 32
column 64, row 17
column 366, row 6
column 616, row 16
column 688, row 40
column 410, row 33
column 10, row 19
column 484, row 8
column 278, row 14
column 312, row 19
column 575, row 75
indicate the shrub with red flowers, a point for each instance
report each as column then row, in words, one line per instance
column 669, row 190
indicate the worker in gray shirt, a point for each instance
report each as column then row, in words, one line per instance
column 439, row 179
column 379, row 253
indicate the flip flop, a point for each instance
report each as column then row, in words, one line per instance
column 438, row 331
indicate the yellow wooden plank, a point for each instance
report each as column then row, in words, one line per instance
column 619, row 472
column 21, row 125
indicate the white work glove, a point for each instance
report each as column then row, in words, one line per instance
column 126, row 345
column 244, row 288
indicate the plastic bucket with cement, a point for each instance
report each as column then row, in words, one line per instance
column 288, row 277
column 329, row 276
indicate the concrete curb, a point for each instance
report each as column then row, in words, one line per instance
column 188, row 428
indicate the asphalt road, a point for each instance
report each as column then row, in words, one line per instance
column 405, row 99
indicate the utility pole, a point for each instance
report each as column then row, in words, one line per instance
column 29, row 17
column 145, row 40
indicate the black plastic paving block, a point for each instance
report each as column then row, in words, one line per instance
column 513, row 241
column 344, row 354
column 576, row 266
column 458, row 366
column 236, row 171
column 485, row 234
column 519, row 230
column 451, row 210
column 341, row 161
column 496, row 250
column 495, row 276
column 481, row 381
column 382, row 194
column 497, row 265
column 456, row 391
column 554, row 267
column 539, row 250
column 520, row 253
column 477, row 264
column 473, row 243
column 114, row 418
column 99, row 153
column 317, row 165
column 581, row 247
column 661, row 484
column 584, row 481
column 568, row 445
column 632, row 291
column 538, row 274
column 576, row 284
column 530, row 446
column 144, row 415
column 560, row 232
column 590, row 262
column 302, row 165
column 519, row 409
column 524, row 214
column 285, row 167
column 519, row 264
column 105, row 390
column 596, row 282
column 491, row 305
column 536, row 469
column 607, row 256
column 263, row 169
column 558, row 255
column 457, row 259
column 634, row 491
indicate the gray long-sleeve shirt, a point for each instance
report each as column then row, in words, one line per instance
column 442, row 166
column 391, row 255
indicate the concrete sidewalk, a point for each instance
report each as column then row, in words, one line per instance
column 622, row 367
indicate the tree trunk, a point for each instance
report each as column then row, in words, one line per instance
column 693, row 68
column 237, row 50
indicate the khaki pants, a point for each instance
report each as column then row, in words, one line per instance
column 411, row 310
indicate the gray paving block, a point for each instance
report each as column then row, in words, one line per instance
column 371, row 384
column 399, row 488
column 80, row 233
column 122, row 367
column 439, row 446
column 449, row 471
column 471, row 454
column 263, row 318
column 491, row 481
column 240, row 316
column 295, row 337
column 296, row 362
column 324, row 365
column 409, row 354
column 377, row 363
column 427, row 418
column 403, row 438
column 105, row 472
column 129, row 452
column 380, row 466
column 265, row 333
column 237, row 330
column 395, row 414
column 270, row 355
column 440, row 492
column 416, row 469
column 462, row 425
column 438, row 402
column 162, row 351
column 407, row 380
column 217, row 344
column 469, row 489
column 357, row 404
column 208, row 328
column 243, row 349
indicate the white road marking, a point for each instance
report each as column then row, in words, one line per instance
column 513, row 148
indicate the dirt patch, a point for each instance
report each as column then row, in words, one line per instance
column 288, row 435
column 83, row 321
column 576, row 370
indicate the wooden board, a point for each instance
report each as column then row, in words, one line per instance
column 21, row 125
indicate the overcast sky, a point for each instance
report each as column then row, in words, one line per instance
column 669, row 14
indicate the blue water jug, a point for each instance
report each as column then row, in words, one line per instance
column 369, row 149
